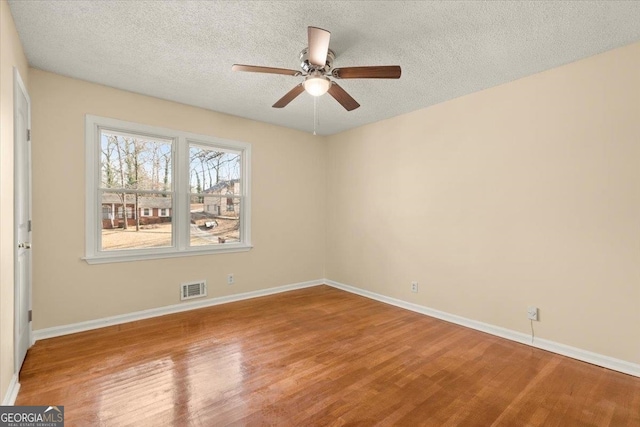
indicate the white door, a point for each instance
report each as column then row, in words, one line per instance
column 22, row 219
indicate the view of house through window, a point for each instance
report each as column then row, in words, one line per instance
column 137, row 193
column 135, row 185
column 155, row 193
column 214, row 178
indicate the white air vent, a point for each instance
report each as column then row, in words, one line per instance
column 193, row 290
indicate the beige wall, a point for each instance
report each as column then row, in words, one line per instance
column 523, row 194
column 11, row 55
column 287, row 242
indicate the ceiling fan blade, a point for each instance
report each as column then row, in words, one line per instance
column 318, row 45
column 343, row 97
column 375, row 72
column 268, row 70
column 290, row 96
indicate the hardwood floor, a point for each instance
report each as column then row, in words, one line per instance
column 316, row 357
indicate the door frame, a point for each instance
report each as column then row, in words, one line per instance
column 19, row 86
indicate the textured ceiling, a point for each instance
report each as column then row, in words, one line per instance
column 183, row 50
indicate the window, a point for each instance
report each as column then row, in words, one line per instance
column 229, row 203
column 164, row 187
column 107, row 212
column 128, row 211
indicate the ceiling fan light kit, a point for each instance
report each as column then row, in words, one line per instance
column 316, row 84
column 316, row 62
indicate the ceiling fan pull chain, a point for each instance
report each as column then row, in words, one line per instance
column 315, row 114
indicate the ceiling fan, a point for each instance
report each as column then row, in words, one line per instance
column 317, row 65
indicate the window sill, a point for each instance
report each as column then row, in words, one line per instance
column 112, row 258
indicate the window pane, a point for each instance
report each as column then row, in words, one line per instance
column 135, row 162
column 215, row 220
column 215, row 210
column 212, row 171
column 123, row 229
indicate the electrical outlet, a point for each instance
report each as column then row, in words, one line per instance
column 532, row 313
column 414, row 286
column 230, row 279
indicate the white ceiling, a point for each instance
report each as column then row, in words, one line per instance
column 183, row 50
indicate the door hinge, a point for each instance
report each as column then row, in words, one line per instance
column 28, row 134
column 29, row 225
column 30, row 315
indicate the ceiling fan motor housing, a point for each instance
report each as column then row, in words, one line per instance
column 307, row 67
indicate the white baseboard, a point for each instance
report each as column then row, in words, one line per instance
column 57, row 331
column 565, row 350
column 12, row 392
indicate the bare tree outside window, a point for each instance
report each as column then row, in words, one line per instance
column 214, row 181
column 156, row 193
column 136, row 185
column 135, row 177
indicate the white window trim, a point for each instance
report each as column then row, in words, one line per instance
column 142, row 214
column 163, row 215
column 180, row 200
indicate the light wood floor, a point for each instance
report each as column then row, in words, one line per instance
column 317, row 356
